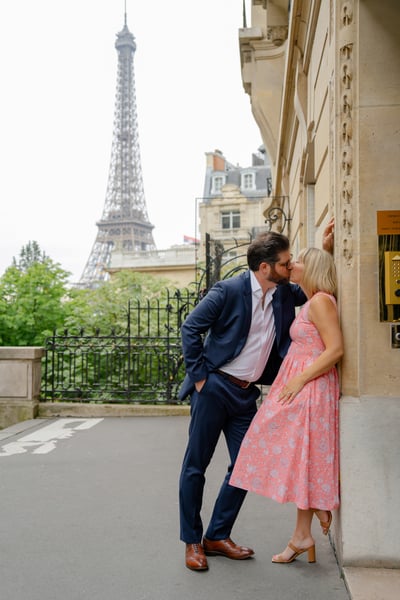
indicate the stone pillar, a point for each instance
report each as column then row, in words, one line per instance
column 20, row 375
column 368, row 180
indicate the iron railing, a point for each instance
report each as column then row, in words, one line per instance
column 142, row 364
column 142, row 361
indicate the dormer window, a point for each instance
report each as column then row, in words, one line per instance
column 217, row 182
column 248, row 181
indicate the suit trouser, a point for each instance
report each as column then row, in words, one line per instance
column 221, row 406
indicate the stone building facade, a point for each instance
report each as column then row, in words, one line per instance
column 175, row 264
column 324, row 81
column 231, row 209
column 230, row 213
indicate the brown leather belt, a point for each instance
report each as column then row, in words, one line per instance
column 239, row 382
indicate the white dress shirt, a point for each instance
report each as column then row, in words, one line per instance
column 250, row 363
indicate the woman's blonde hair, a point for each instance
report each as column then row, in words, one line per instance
column 319, row 271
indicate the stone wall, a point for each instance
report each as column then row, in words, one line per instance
column 337, row 154
column 20, row 375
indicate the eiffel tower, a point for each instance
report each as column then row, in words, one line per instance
column 124, row 224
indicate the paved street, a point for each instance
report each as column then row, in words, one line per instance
column 89, row 509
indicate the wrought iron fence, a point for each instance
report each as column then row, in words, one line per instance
column 142, row 364
column 221, row 262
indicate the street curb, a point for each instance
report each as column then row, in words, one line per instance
column 76, row 409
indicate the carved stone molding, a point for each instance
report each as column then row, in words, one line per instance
column 277, row 35
column 345, row 138
column 347, row 190
column 347, row 219
column 346, row 13
column 247, row 56
column 347, row 130
column 347, row 102
column 347, row 161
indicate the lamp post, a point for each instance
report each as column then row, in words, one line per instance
column 275, row 215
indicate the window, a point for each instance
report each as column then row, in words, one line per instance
column 217, row 182
column 230, row 219
column 310, row 190
column 248, row 181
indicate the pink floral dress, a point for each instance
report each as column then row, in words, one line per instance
column 290, row 452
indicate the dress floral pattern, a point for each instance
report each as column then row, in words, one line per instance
column 290, row 452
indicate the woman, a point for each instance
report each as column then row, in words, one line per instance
column 290, row 452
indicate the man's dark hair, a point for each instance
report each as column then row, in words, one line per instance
column 265, row 248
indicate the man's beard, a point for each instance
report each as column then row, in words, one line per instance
column 276, row 278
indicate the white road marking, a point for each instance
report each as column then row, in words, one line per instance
column 44, row 440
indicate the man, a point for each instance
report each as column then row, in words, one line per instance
column 246, row 320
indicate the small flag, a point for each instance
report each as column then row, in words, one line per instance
column 190, row 240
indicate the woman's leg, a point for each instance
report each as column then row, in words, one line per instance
column 325, row 519
column 301, row 538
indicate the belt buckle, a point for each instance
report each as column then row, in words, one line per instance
column 247, row 384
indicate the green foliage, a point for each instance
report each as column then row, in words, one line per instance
column 36, row 300
column 105, row 307
column 29, row 255
column 32, row 293
column 99, row 358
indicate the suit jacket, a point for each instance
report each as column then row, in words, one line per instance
column 223, row 316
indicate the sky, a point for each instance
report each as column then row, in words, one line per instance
column 58, row 70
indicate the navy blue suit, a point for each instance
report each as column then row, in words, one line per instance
column 224, row 318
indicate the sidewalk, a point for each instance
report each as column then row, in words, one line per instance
column 372, row 584
column 102, row 512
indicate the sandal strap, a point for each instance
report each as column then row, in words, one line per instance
column 324, row 524
column 293, row 547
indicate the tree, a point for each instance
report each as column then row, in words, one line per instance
column 97, row 356
column 32, row 298
column 29, row 255
column 105, row 307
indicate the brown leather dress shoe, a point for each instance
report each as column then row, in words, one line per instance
column 226, row 548
column 195, row 557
